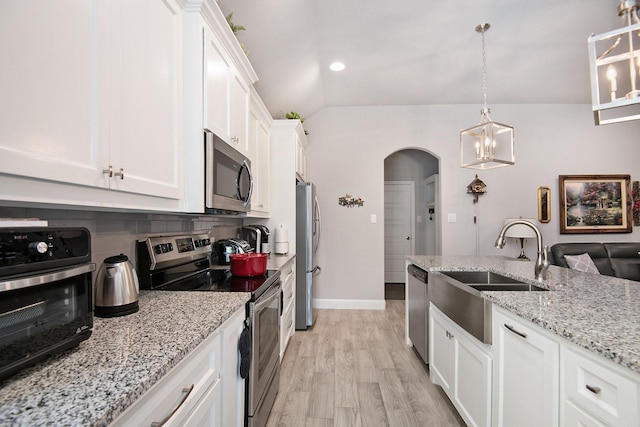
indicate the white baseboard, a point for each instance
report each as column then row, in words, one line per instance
column 350, row 304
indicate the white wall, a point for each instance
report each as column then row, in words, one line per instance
column 348, row 145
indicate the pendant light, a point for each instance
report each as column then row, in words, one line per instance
column 489, row 144
column 614, row 61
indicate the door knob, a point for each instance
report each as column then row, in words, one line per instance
column 408, row 238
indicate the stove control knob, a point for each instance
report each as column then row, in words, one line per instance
column 39, row 247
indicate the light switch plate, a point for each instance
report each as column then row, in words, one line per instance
column 451, row 217
column 374, row 219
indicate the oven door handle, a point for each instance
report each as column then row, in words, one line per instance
column 41, row 279
column 267, row 297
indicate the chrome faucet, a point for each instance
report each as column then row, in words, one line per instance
column 542, row 261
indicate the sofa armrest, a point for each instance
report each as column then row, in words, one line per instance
column 625, row 259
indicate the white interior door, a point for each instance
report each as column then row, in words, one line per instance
column 399, row 208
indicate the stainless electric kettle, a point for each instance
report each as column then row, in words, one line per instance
column 116, row 288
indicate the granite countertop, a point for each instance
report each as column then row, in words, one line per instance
column 276, row 262
column 596, row 312
column 90, row 385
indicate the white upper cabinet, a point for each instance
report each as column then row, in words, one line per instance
column 144, row 115
column 301, row 158
column 217, row 74
column 239, row 108
column 260, row 154
column 217, row 86
column 49, row 111
column 226, row 90
column 86, row 90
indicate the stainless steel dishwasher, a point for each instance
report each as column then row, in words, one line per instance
column 418, row 303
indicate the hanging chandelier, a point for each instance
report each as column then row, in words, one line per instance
column 614, row 61
column 489, row 144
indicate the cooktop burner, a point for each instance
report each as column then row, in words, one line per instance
column 223, row 281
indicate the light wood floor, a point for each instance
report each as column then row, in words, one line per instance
column 353, row 368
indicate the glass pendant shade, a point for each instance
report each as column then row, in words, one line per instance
column 614, row 61
column 488, row 145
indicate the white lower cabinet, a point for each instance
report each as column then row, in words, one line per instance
column 233, row 385
column 462, row 366
column 208, row 412
column 597, row 391
column 287, row 320
column 204, row 389
column 528, row 377
column 574, row 416
column 526, row 373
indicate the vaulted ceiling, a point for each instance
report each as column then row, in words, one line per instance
column 414, row 52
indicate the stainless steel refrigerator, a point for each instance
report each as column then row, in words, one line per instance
column 307, row 240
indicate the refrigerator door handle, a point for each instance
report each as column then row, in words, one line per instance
column 316, row 207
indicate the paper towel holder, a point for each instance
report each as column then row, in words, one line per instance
column 281, row 238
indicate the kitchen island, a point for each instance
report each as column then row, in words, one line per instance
column 568, row 356
column 92, row 384
column 598, row 313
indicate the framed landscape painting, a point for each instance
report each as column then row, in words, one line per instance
column 595, row 204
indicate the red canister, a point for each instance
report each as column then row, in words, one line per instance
column 248, row 265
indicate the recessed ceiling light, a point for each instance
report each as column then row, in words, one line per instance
column 336, row 66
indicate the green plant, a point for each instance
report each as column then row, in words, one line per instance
column 235, row 29
column 293, row 115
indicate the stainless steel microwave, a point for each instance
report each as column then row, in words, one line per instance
column 228, row 179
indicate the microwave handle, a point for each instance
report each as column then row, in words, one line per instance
column 208, row 168
column 245, row 165
column 41, row 279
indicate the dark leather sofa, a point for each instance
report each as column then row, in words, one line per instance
column 612, row 259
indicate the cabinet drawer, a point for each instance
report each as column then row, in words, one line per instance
column 287, row 327
column 576, row 417
column 599, row 389
column 287, row 274
column 287, row 319
column 288, row 295
column 179, row 390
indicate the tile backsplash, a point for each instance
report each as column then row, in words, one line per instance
column 113, row 233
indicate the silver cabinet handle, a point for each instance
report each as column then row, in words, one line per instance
column 512, row 329
column 593, row 389
column 185, row 394
column 111, row 174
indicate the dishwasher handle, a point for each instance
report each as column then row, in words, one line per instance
column 418, row 273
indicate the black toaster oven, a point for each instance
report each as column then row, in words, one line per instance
column 46, row 303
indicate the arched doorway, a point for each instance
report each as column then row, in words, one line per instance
column 411, row 221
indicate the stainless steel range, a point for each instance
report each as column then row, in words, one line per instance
column 182, row 263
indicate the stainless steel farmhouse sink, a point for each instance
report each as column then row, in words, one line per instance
column 508, row 287
column 479, row 277
column 458, row 295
